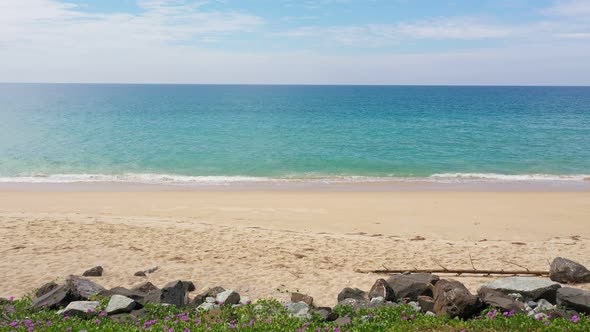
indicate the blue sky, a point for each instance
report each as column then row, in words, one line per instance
column 521, row 42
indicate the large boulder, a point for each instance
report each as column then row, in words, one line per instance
column 299, row 310
column 412, row 285
column 94, row 272
column 531, row 288
column 228, row 297
column 573, row 298
column 352, row 293
column 426, row 303
column 382, row 289
column 74, row 289
column 174, row 293
column 46, row 288
column 298, row 297
column 81, row 309
column 497, row 299
column 568, row 272
column 452, row 298
column 119, row 304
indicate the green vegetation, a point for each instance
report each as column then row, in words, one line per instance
column 272, row 316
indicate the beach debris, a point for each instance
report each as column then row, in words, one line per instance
column 96, row 271
column 353, row 293
column 228, row 297
column 452, row 298
column 412, row 285
column 121, row 304
column 46, row 288
column 573, row 298
column 567, row 271
column 298, row 297
column 80, row 309
column 531, row 288
column 144, row 287
column 382, row 289
column 500, row 300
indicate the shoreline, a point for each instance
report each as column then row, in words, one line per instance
column 312, row 241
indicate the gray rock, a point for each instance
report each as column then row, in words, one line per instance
column 532, row 304
column 84, row 287
column 568, row 272
column 210, row 299
column 188, row 285
column 144, row 287
column 58, row 297
column 426, row 303
column 174, row 293
column 354, row 303
column 412, row 285
column 415, row 306
column 94, row 272
column 430, row 314
column 326, row 313
column 377, row 302
column 573, row 298
column 46, row 288
column 543, row 306
column 228, row 297
column 297, row 297
column 140, row 274
column 452, row 298
column 119, row 304
column 382, row 289
column 497, row 299
column 81, row 309
column 211, row 292
column 342, row 321
column 245, row 300
column 134, row 295
column 352, row 293
column 299, row 310
column 207, row 307
column 532, row 288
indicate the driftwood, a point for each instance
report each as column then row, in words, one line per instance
column 459, row 271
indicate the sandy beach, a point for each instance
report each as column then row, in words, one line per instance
column 266, row 243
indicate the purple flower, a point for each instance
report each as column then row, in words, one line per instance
column 187, row 330
column 49, row 323
column 575, row 319
column 547, row 323
column 97, row 321
column 14, row 324
column 102, row 314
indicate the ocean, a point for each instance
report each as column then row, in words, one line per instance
column 223, row 133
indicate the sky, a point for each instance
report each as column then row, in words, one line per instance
column 430, row 42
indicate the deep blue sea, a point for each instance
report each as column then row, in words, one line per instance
column 192, row 133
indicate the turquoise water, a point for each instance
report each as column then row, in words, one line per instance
column 200, row 132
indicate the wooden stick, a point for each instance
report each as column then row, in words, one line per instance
column 458, row 271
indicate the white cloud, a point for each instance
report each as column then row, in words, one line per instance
column 570, row 8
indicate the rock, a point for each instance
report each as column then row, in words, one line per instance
column 246, row 300
column 568, row 272
column 46, row 288
column 573, row 298
column 426, row 303
column 211, row 292
column 452, row 298
column 352, row 293
column 139, row 313
column 382, row 289
column 297, row 297
column 134, row 295
column 84, row 287
column 342, row 321
column 120, row 304
column 415, row 306
column 377, row 302
column 559, row 313
column 174, row 293
column 58, row 297
column 497, row 299
column 210, row 299
column 299, row 310
column 207, row 307
column 151, row 269
column 532, row 288
column 430, row 314
column 228, row 297
column 532, row 304
column 354, row 303
column 326, row 313
column 412, row 285
column 188, row 285
column 543, row 306
column 94, row 272
column 81, row 309
column 140, row 274
column 144, row 287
